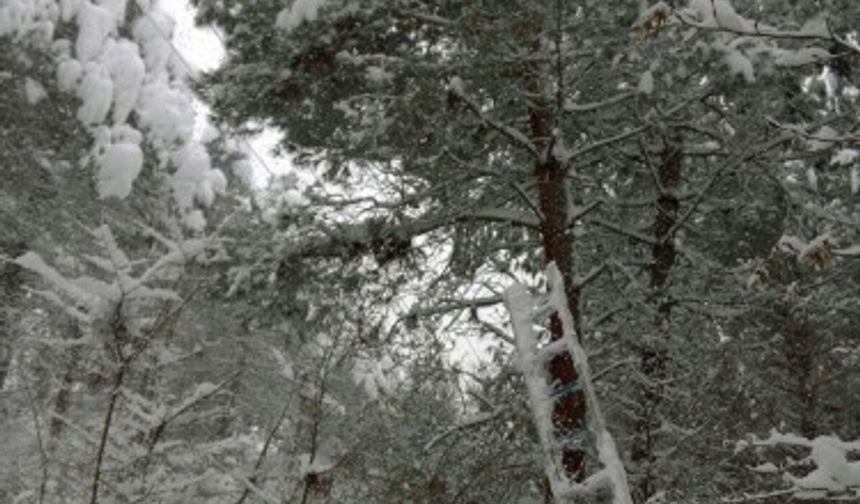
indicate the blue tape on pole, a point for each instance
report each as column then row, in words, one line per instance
column 573, row 438
column 568, row 388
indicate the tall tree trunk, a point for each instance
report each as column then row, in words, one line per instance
column 653, row 354
column 568, row 413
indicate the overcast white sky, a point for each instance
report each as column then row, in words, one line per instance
column 202, row 50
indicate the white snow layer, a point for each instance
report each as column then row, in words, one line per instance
column 718, row 13
column 127, row 70
column 69, row 73
column 646, row 83
column 153, row 32
column 96, row 94
column 116, row 77
column 739, row 64
column 95, row 24
column 301, row 11
column 120, row 165
column 833, row 472
column 34, row 91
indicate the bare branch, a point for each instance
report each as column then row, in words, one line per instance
column 474, row 421
column 570, row 106
column 449, row 305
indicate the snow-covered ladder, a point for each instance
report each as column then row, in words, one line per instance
column 525, row 312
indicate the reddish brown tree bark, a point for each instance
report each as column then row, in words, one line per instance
column 569, row 408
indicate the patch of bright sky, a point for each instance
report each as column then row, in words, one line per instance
column 202, row 50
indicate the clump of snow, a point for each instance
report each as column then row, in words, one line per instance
column 95, row 24
column 69, row 73
column 119, row 166
column 727, row 17
column 816, row 27
column 456, row 86
column 812, row 178
column 301, row 11
column 377, row 75
column 823, row 138
column 739, row 64
column 845, row 157
column 718, row 13
column 34, row 91
column 62, row 49
column 96, row 94
column 646, row 83
column 244, row 170
column 42, row 32
column 116, row 8
column 153, row 33
column 123, row 133
column 833, row 472
column 701, row 11
column 766, row 468
column 803, row 56
column 69, row 9
column 166, row 113
column 127, row 70
column 790, row 244
column 14, row 15
column 193, row 166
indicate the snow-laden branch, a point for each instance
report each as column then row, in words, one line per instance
column 723, row 18
column 836, row 475
column 344, row 240
column 852, row 252
column 86, row 298
column 457, row 88
column 449, row 305
column 565, row 157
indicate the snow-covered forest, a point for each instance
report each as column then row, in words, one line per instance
column 525, row 252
